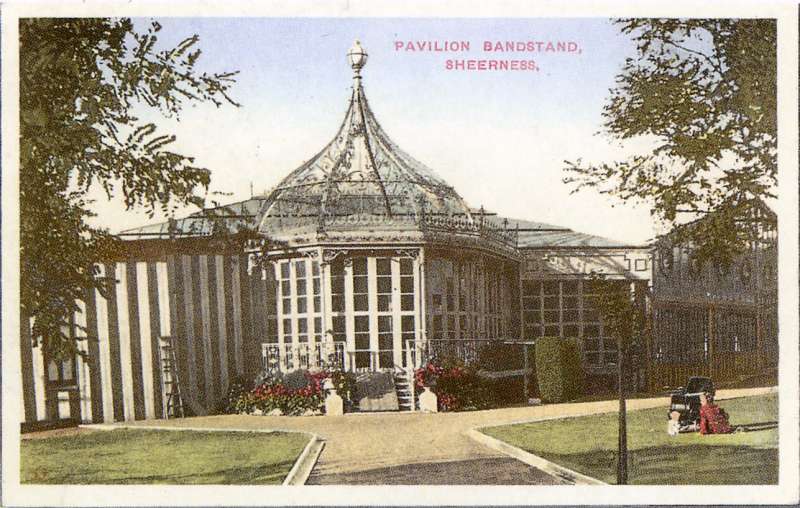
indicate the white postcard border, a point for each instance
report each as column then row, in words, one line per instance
column 785, row 492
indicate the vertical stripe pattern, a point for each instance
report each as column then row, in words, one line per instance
column 84, row 373
column 93, row 359
column 27, row 370
column 125, row 356
column 221, row 319
column 142, row 296
column 204, row 301
column 153, row 288
column 135, row 344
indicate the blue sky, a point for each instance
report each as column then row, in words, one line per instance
column 498, row 137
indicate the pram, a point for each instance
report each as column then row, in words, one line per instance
column 686, row 402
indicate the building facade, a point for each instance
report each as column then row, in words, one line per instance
column 711, row 319
column 362, row 256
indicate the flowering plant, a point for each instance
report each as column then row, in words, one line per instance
column 295, row 393
column 343, row 382
column 274, row 394
column 457, row 388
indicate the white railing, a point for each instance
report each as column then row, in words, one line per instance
column 419, row 352
column 367, row 360
column 289, row 357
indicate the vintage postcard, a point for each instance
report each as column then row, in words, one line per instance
column 355, row 253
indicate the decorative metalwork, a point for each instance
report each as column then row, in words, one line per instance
column 361, row 179
column 465, row 225
column 409, row 253
column 329, row 255
column 289, row 357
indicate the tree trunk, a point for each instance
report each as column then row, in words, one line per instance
column 622, row 452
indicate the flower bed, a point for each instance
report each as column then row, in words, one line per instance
column 296, row 393
column 457, row 388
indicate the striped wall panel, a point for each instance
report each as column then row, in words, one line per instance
column 238, row 317
column 28, row 377
column 113, row 328
column 250, row 353
column 84, row 366
column 204, row 301
column 103, row 358
column 154, row 326
column 93, row 359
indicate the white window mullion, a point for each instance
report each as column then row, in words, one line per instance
column 372, row 296
column 279, row 310
column 311, row 310
column 293, row 314
column 420, row 304
column 327, row 318
column 397, row 331
column 350, row 323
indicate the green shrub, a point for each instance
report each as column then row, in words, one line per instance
column 235, row 400
column 559, row 372
column 296, row 379
column 506, row 391
column 457, row 388
column 344, row 383
column 496, row 356
column 574, row 362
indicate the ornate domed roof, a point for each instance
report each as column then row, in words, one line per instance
column 360, row 177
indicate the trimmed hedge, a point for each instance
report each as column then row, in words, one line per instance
column 559, row 371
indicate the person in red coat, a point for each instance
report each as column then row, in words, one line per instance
column 713, row 419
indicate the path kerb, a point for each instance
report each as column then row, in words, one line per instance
column 435, row 437
column 545, row 465
column 551, row 468
column 298, row 474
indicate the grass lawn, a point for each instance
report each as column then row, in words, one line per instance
column 126, row 456
column 588, row 445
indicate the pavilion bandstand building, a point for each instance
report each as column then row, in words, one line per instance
column 362, row 255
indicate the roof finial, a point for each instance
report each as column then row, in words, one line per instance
column 357, row 57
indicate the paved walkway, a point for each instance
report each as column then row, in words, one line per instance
column 488, row 471
column 363, row 442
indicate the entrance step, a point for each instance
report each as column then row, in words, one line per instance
column 402, row 385
column 375, row 391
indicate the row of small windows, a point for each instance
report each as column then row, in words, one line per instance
column 468, row 300
column 371, row 291
column 567, row 308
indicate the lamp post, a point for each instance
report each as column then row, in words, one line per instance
column 622, row 446
column 620, row 317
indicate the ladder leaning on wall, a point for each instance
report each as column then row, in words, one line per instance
column 170, row 385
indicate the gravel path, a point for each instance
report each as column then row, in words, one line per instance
column 491, row 471
column 372, row 445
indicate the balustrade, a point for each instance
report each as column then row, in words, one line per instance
column 411, row 215
column 289, row 357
